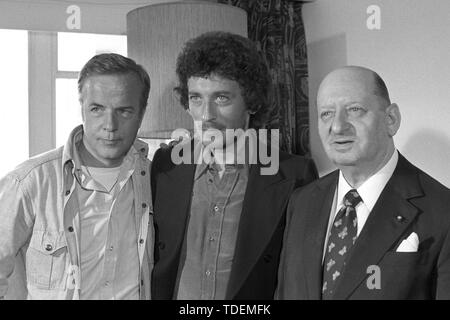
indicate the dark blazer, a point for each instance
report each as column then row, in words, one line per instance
column 412, row 201
column 261, row 227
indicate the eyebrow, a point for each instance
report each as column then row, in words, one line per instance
column 214, row 92
column 118, row 108
column 345, row 105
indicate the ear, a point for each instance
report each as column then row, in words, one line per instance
column 393, row 119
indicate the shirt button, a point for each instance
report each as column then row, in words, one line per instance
column 106, row 283
column 211, row 239
column 111, row 248
column 49, row 247
column 207, row 273
column 70, row 229
column 67, row 192
column 141, row 241
column 216, row 208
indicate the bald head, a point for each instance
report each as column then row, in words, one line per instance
column 358, row 78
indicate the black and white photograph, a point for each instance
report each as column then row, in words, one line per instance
column 208, row 152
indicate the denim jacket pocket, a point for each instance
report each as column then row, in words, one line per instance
column 46, row 260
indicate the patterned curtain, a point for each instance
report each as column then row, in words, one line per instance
column 277, row 28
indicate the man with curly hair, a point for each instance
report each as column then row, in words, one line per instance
column 219, row 222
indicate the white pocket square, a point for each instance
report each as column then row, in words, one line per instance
column 410, row 244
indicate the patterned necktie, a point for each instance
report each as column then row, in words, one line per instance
column 340, row 241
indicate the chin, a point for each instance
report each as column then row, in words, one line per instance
column 343, row 159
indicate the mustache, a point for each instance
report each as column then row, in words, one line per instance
column 212, row 125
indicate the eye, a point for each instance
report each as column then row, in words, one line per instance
column 96, row 109
column 126, row 113
column 326, row 115
column 356, row 110
column 221, row 99
column 195, row 99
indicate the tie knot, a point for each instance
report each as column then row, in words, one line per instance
column 352, row 198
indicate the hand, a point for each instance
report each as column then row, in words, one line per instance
column 171, row 143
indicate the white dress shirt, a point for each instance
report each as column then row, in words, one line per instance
column 369, row 192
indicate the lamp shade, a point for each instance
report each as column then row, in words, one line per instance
column 156, row 34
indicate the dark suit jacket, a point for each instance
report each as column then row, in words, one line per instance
column 412, row 201
column 261, row 227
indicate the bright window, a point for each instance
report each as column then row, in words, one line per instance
column 74, row 50
column 14, row 98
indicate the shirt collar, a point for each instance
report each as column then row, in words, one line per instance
column 371, row 189
column 220, row 159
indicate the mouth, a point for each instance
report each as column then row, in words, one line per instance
column 215, row 126
column 110, row 142
column 342, row 143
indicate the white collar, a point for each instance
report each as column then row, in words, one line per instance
column 371, row 189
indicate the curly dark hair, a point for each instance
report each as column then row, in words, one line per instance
column 233, row 57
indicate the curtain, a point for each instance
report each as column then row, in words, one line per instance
column 277, row 28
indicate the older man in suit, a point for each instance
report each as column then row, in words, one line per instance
column 377, row 228
column 219, row 224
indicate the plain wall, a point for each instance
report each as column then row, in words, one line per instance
column 411, row 53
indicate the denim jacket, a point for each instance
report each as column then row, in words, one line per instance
column 40, row 226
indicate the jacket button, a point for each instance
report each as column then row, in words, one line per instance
column 67, row 192
column 143, row 173
column 267, row 258
column 141, row 241
column 161, row 245
column 144, row 205
column 49, row 247
column 70, row 229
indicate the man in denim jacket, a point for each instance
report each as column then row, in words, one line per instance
column 75, row 221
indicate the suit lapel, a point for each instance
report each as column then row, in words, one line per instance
column 265, row 198
column 389, row 219
column 172, row 217
column 315, row 229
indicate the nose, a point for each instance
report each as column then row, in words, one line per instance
column 209, row 111
column 110, row 122
column 340, row 123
